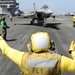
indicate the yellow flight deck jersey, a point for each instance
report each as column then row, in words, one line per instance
column 66, row 64
column 73, row 18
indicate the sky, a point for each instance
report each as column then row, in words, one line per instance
column 57, row 6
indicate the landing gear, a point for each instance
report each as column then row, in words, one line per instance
column 33, row 19
column 45, row 22
column 41, row 21
column 31, row 22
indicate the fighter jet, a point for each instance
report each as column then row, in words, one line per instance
column 41, row 15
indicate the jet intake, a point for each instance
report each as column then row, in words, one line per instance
column 40, row 16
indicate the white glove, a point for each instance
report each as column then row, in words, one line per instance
column 72, row 47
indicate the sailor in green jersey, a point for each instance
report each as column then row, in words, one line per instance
column 4, row 27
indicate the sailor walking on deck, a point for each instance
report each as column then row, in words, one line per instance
column 73, row 19
column 4, row 28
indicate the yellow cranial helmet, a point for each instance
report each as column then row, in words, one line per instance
column 40, row 42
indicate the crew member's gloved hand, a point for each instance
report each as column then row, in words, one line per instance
column 29, row 47
column 72, row 47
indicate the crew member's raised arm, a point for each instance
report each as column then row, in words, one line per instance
column 68, row 64
column 13, row 54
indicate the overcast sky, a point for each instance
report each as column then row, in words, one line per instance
column 58, row 6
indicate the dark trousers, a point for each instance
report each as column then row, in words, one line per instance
column 73, row 23
column 4, row 33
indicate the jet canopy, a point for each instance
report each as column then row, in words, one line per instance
column 45, row 7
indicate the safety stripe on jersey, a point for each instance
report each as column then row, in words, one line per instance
column 41, row 63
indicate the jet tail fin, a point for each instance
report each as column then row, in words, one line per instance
column 34, row 7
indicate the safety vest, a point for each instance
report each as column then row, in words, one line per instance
column 41, row 64
column 74, row 18
column 3, row 24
